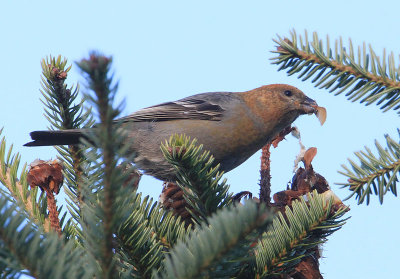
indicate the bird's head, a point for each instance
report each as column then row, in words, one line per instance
column 280, row 101
column 291, row 98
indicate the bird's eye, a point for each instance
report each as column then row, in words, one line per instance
column 288, row 93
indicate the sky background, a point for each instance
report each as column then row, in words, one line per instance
column 167, row 50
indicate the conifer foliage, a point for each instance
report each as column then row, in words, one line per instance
column 362, row 76
column 109, row 230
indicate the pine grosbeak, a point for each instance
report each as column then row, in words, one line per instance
column 232, row 126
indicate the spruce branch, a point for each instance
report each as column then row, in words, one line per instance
column 147, row 234
column 106, row 196
column 197, row 175
column 218, row 248
column 137, row 240
column 62, row 112
column 303, row 226
column 99, row 82
column 374, row 175
column 167, row 227
column 362, row 75
column 18, row 188
column 9, row 265
column 28, row 246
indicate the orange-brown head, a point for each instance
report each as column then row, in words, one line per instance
column 280, row 102
column 279, row 99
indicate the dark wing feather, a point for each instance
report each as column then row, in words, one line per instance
column 200, row 107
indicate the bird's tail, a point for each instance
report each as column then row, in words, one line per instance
column 63, row 137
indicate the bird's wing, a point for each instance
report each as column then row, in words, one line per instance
column 201, row 107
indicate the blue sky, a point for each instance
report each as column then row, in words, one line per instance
column 166, row 50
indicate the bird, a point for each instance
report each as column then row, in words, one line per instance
column 232, row 126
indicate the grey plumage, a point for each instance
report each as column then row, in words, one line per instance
column 231, row 125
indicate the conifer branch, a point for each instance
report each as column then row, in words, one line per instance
column 62, row 113
column 167, row 227
column 363, row 76
column 96, row 68
column 147, row 234
column 378, row 175
column 106, row 194
column 218, row 248
column 305, row 225
column 138, row 242
column 197, row 175
column 9, row 265
column 28, row 246
column 18, row 188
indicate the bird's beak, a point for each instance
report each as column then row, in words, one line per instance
column 308, row 106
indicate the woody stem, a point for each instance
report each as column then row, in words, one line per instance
column 265, row 172
column 53, row 213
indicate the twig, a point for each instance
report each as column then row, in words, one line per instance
column 265, row 171
column 53, row 212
